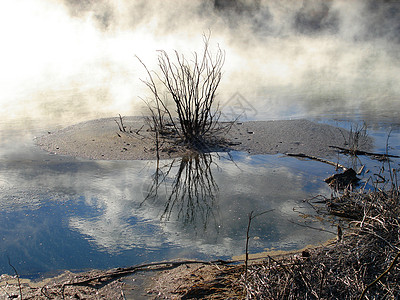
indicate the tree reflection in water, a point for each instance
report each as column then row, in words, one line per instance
column 186, row 189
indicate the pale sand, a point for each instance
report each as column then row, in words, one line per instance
column 101, row 139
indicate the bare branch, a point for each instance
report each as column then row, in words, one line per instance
column 192, row 87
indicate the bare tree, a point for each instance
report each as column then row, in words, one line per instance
column 191, row 85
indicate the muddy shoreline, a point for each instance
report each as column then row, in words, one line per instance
column 101, row 139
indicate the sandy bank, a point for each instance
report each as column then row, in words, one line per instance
column 102, row 139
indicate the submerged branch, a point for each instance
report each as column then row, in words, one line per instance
column 360, row 152
column 302, row 155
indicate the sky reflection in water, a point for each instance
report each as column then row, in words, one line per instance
column 61, row 212
column 285, row 59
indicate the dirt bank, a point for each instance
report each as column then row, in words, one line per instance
column 102, row 139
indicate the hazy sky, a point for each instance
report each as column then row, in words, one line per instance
column 68, row 57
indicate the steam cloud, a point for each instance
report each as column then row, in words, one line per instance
column 286, row 58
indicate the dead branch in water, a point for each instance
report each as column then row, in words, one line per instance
column 337, row 181
column 360, row 152
column 302, row 155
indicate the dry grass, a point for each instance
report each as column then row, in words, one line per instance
column 362, row 264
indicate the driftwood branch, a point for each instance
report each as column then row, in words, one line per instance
column 341, row 180
column 302, row 155
column 359, row 152
column 120, row 272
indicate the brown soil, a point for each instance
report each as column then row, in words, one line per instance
column 53, row 288
column 199, row 281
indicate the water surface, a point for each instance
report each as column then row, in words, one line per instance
column 69, row 61
column 60, row 212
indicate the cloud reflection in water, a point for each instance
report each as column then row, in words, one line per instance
column 102, row 213
column 211, row 222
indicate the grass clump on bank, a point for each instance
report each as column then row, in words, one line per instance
column 362, row 264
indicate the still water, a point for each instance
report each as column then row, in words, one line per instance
column 61, row 212
column 66, row 61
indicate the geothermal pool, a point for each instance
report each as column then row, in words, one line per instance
column 65, row 61
column 61, row 212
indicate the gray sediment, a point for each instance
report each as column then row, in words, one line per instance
column 102, row 139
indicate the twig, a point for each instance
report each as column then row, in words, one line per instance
column 315, row 228
column 121, row 126
column 144, row 267
column 281, row 265
column 42, row 290
column 137, row 131
column 360, row 152
column 9, row 296
column 251, row 217
column 380, row 276
column 16, row 273
column 336, row 165
column 157, row 147
column 247, row 247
